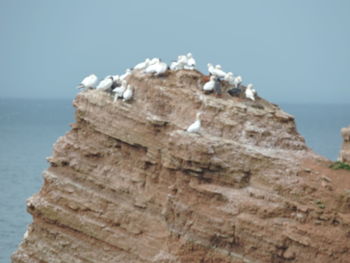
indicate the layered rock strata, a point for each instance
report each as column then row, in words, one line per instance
column 345, row 151
column 129, row 184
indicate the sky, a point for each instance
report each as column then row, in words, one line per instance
column 293, row 51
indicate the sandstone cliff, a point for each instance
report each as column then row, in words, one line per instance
column 128, row 184
column 345, row 151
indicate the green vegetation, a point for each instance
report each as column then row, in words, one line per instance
column 340, row 165
column 320, row 204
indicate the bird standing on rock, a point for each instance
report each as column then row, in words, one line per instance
column 88, row 82
column 143, row 65
column 196, row 126
column 174, row 65
column 127, row 73
column 209, row 86
column 216, row 71
column 237, row 81
column 127, row 95
column 229, row 77
column 191, row 62
column 235, row 92
column 157, row 68
column 116, row 81
column 180, row 63
column 249, row 92
column 217, row 87
column 219, row 72
column 210, row 69
column 105, row 84
column 119, row 91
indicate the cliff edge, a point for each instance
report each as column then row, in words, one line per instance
column 129, row 184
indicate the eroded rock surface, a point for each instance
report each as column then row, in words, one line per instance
column 128, row 184
column 345, row 151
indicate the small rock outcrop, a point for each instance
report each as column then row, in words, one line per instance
column 345, row 151
column 129, row 184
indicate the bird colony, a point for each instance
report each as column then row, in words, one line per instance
column 118, row 86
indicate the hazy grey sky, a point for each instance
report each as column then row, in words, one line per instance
column 291, row 50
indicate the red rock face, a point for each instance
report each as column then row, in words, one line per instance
column 129, row 184
column 345, row 151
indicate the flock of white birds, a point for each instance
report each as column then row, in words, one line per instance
column 118, row 86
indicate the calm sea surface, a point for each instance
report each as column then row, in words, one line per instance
column 28, row 129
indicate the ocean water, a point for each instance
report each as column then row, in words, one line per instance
column 320, row 125
column 28, row 129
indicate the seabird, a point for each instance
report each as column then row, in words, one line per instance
column 180, row 63
column 249, row 92
column 119, row 91
column 127, row 73
column 229, row 77
column 157, row 68
column 216, row 71
column 217, row 87
column 127, row 95
column 143, row 65
column 174, row 65
column 191, row 62
column 105, row 84
column 234, row 92
column 88, row 82
column 219, row 72
column 162, row 67
column 182, row 59
column 209, row 86
column 116, row 81
column 195, row 127
column 26, row 234
column 154, row 61
column 211, row 69
column 237, row 81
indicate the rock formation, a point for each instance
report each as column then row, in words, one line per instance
column 129, row 184
column 345, row 151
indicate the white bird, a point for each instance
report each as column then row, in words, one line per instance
column 116, row 81
column 249, row 92
column 162, row 67
column 182, row 59
column 154, row 61
column 216, row 71
column 127, row 73
column 237, row 81
column 157, row 68
column 88, row 82
column 105, row 84
column 195, row 127
column 191, row 62
column 211, row 69
column 143, row 64
column 180, row 63
column 209, row 86
column 116, row 78
column 219, row 72
column 229, row 77
column 127, row 95
column 119, row 91
column 26, row 234
column 174, row 65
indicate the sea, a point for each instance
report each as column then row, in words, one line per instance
column 29, row 128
